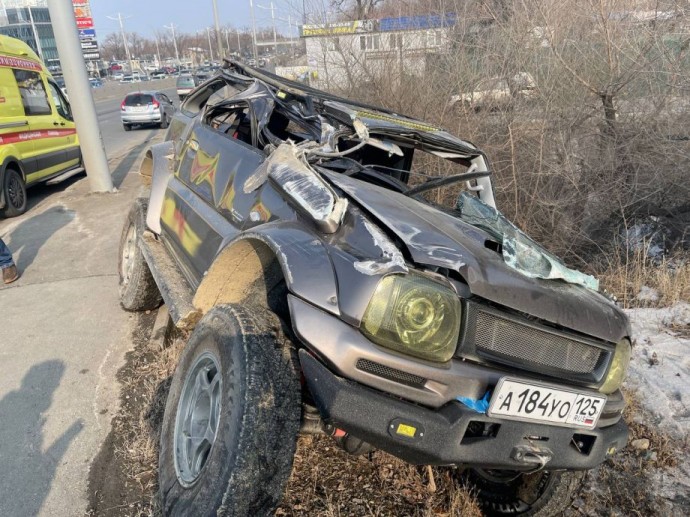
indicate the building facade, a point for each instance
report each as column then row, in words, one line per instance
column 342, row 54
column 29, row 21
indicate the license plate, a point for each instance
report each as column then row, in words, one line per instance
column 139, row 108
column 519, row 400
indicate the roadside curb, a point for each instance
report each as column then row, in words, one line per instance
column 159, row 330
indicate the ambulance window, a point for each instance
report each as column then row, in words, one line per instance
column 60, row 103
column 33, row 93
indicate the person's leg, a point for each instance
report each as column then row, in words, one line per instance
column 9, row 270
column 5, row 256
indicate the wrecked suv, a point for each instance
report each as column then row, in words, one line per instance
column 298, row 236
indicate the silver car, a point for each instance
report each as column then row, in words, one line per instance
column 147, row 107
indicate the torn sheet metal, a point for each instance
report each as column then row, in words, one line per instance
column 519, row 251
column 302, row 185
column 391, row 258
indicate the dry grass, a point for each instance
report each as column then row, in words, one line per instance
column 327, row 481
column 624, row 276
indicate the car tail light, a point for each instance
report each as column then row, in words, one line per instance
column 156, row 104
column 122, row 106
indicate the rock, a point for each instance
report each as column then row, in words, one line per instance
column 641, row 444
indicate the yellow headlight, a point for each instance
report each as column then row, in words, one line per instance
column 618, row 369
column 414, row 315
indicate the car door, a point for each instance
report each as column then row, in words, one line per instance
column 50, row 132
column 67, row 128
column 14, row 124
column 168, row 106
column 205, row 204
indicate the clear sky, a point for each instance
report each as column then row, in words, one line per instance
column 145, row 16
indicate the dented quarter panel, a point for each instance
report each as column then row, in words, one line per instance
column 438, row 239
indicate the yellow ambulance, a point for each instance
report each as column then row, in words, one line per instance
column 38, row 139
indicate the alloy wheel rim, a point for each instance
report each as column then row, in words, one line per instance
column 128, row 251
column 196, row 422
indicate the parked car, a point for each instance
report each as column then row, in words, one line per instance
column 146, row 107
column 128, row 79
column 117, row 76
column 95, row 83
column 38, row 138
column 325, row 293
column 185, row 84
column 497, row 93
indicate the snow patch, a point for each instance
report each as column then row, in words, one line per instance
column 660, row 365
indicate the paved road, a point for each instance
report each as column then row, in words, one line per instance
column 63, row 335
column 114, row 136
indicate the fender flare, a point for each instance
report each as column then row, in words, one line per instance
column 156, row 167
column 304, row 261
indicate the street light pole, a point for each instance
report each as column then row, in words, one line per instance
column 210, row 49
column 251, row 9
column 35, row 31
column 124, row 40
column 216, row 21
column 77, row 81
column 177, row 54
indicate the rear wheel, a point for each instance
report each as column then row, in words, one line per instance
column 164, row 122
column 508, row 493
column 127, row 127
column 232, row 418
column 15, row 194
column 138, row 289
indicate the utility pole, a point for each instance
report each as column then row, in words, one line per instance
column 273, row 19
column 216, row 22
column 177, row 54
column 124, row 40
column 251, row 9
column 210, row 48
column 77, row 81
column 158, row 50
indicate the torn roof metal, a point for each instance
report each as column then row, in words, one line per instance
column 309, row 104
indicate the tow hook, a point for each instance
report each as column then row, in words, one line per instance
column 530, row 455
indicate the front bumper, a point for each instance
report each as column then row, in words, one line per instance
column 448, row 435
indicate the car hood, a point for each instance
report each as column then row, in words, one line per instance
column 435, row 238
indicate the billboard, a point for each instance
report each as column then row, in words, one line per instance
column 339, row 28
column 87, row 34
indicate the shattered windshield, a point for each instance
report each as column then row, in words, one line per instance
column 519, row 251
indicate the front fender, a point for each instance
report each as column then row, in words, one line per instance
column 303, row 259
column 157, row 165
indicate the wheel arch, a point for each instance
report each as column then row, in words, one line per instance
column 250, row 266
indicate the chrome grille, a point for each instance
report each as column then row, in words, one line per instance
column 526, row 345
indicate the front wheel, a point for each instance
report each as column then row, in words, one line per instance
column 15, row 194
column 504, row 493
column 231, row 419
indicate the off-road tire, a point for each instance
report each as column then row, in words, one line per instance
column 541, row 494
column 15, row 194
column 250, row 460
column 138, row 289
column 127, row 127
column 164, row 122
